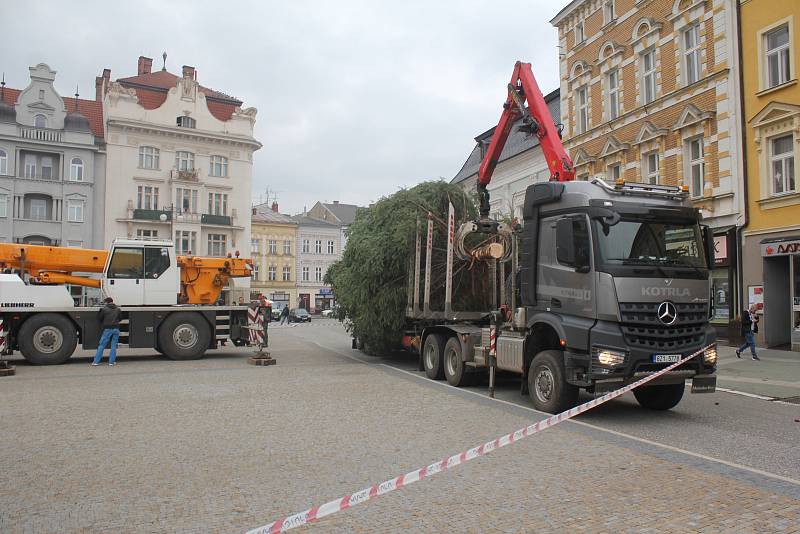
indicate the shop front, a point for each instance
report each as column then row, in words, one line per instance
column 323, row 300
column 781, row 292
column 723, row 282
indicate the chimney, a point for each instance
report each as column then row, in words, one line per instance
column 145, row 65
column 100, row 84
column 188, row 72
column 275, row 207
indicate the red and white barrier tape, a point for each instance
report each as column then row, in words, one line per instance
column 2, row 338
column 348, row 501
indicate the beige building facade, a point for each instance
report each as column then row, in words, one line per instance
column 273, row 248
column 649, row 93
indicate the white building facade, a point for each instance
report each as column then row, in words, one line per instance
column 179, row 162
column 318, row 246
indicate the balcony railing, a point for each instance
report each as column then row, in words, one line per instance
column 152, row 215
column 221, row 220
column 40, row 134
column 186, row 176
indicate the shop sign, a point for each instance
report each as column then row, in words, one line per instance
column 784, row 248
column 720, row 249
column 326, row 291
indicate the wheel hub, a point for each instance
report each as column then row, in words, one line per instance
column 452, row 363
column 544, row 384
column 429, row 350
column 185, row 336
column 48, row 339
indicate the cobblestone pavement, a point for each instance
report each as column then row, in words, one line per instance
column 218, row 445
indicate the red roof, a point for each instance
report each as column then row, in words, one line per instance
column 91, row 109
column 151, row 88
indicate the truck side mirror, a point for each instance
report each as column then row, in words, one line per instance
column 572, row 243
column 708, row 241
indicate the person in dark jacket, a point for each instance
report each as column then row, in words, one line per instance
column 749, row 329
column 285, row 314
column 109, row 316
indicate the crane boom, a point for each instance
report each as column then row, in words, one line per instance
column 537, row 120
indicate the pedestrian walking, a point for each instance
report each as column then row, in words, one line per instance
column 749, row 330
column 285, row 314
column 109, row 316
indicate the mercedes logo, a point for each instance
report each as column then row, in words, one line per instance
column 667, row 313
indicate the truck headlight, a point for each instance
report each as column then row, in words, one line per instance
column 608, row 357
column 710, row 355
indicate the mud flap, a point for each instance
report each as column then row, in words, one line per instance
column 704, row 384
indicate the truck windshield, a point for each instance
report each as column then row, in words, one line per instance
column 638, row 242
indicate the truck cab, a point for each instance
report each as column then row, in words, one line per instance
column 141, row 273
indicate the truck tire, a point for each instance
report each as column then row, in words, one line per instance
column 454, row 368
column 433, row 356
column 662, row 397
column 547, row 385
column 47, row 339
column 184, row 336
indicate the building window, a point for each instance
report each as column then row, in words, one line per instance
column 650, row 167
column 40, row 121
column 608, row 11
column 76, row 170
column 147, row 197
column 218, row 166
column 273, row 247
column 3, row 162
column 185, row 241
column 254, row 272
column 217, row 243
column 75, row 210
column 691, row 53
column 614, row 172
column 47, row 168
column 782, row 165
column 186, row 200
column 74, row 244
column 579, row 36
column 287, row 273
column 776, row 44
column 330, row 247
column 148, row 157
column 582, row 104
column 218, row 203
column 613, row 94
column 305, row 274
column 255, row 245
column 694, row 155
column 144, row 233
column 318, row 274
column 184, row 161
column 287, row 247
column 583, row 177
column 185, row 122
column 38, row 209
column 3, row 205
column 30, row 166
column 648, row 65
column 318, row 246
column 306, row 245
column 272, row 273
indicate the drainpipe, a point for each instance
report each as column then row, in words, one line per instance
column 743, row 132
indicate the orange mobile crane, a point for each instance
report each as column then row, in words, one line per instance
column 168, row 301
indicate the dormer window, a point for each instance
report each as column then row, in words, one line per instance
column 185, row 122
column 40, row 121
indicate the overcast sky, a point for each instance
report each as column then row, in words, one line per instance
column 355, row 99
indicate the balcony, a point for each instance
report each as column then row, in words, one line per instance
column 152, row 215
column 219, row 220
column 40, row 134
column 185, row 176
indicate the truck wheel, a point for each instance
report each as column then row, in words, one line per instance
column 454, row 368
column 659, row 397
column 432, row 356
column 184, row 336
column 547, row 385
column 47, row 339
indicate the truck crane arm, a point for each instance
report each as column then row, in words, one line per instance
column 536, row 120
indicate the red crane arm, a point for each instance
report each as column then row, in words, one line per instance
column 536, row 120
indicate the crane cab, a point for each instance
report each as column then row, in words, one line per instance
column 141, row 273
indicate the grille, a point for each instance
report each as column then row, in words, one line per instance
column 641, row 327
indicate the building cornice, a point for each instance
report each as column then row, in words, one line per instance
column 184, row 133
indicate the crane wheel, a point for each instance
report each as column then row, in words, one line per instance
column 47, row 339
column 184, row 336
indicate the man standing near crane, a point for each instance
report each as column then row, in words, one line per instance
column 109, row 316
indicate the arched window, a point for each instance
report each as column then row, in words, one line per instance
column 3, row 162
column 76, row 170
column 40, row 121
column 185, row 122
column 219, row 166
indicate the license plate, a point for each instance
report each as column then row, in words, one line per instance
column 666, row 358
